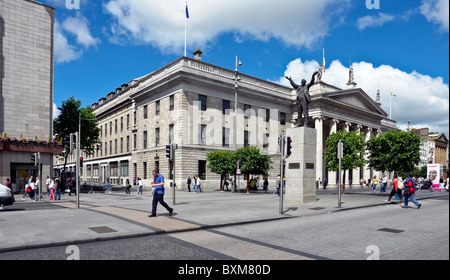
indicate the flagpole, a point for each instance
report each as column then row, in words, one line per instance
column 185, row 29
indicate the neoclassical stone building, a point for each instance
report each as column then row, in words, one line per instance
column 191, row 103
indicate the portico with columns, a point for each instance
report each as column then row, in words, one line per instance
column 352, row 109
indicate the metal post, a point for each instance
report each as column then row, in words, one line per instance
column 39, row 174
column 173, row 147
column 340, row 155
column 78, row 135
column 281, row 172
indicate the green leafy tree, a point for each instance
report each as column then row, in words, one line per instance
column 221, row 162
column 252, row 161
column 354, row 150
column 394, row 150
column 67, row 123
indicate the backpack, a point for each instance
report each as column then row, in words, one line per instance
column 400, row 185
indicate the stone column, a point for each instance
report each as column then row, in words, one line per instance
column 319, row 147
column 366, row 168
column 332, row 175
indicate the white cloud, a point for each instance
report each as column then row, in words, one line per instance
column 436, row 11
column 64, row 52
column 423, row 99
column 373, row 21
column 161, row 23
column 78, row 28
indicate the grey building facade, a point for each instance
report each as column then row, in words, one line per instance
column 26, row 85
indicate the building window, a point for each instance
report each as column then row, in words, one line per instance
column 247, row 110
column 145, row 139
column 110, row 128
column 134, row 118
column 202, row 169
column 157, row 136
column 128, row 121
column 121, row 145
column 171, row 134
column 225, row 107
column 267, row 115
column 282, row 118
column 106, row 129
column 110, row 148
column 225, row 137
column 202, row 134
column 115, row 146
column 266, row 141
column 145, row 112
column 106, row 148
column 134, row 141
column 124, row 169
column 115, row 126
column 158, row 107
column 202, row 99
column 172, row 102
column 128, row 144
column 121, row 123
column 246, row 138
column 145, row 170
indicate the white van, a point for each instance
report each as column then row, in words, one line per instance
column 6, row 196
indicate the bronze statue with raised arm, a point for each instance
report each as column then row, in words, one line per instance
column 303, row 98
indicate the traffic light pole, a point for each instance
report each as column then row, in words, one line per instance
column 78, row 168
column 282, row 152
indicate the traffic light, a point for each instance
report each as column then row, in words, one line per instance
column 169, row 152
column 68, row 143
column 33, row 159
column 81, row 161
column 289, row 146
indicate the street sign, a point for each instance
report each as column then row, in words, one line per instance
column 238, row 172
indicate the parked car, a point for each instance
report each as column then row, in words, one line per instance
column 6, row 196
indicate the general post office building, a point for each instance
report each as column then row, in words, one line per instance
column 191, row 103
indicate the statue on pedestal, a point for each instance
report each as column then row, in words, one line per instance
column 303, row 98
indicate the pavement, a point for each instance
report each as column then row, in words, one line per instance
column 102, row 216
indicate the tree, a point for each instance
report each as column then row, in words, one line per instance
column 221, row 162
column 67, row 123
column 394, row 150
column 354, row 150
column 253, row 161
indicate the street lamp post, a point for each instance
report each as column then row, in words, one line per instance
column 236, row 78
column 78, row 135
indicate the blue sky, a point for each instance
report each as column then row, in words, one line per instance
column 402, row 47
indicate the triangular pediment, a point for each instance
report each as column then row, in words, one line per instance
column 354, row 99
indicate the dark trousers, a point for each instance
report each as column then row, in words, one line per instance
column 159, row 198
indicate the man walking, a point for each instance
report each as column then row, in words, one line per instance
column 158, row 196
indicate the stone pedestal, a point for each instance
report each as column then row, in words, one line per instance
column 301, row 166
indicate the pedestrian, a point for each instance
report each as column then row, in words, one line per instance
column 158, row 186
column 195, row 184
column 188, row 183
column 374, row 182
column 36, row 189
column 266, row 184
column 57, row 189
column 8, row 183
column 52, row 189
column 410, row 190
column 396, row 189
column 127, row 186
column 47, row 184
column 199, row 184
column 383, row 184
column 140, row 186
column 278, row 186
column 325, row 183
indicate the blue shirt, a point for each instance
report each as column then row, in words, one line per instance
column 159, row 189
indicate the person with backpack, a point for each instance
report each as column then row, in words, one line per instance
column 397, row 189
column 410, row 189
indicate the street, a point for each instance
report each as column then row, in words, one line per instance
column 378, row 231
